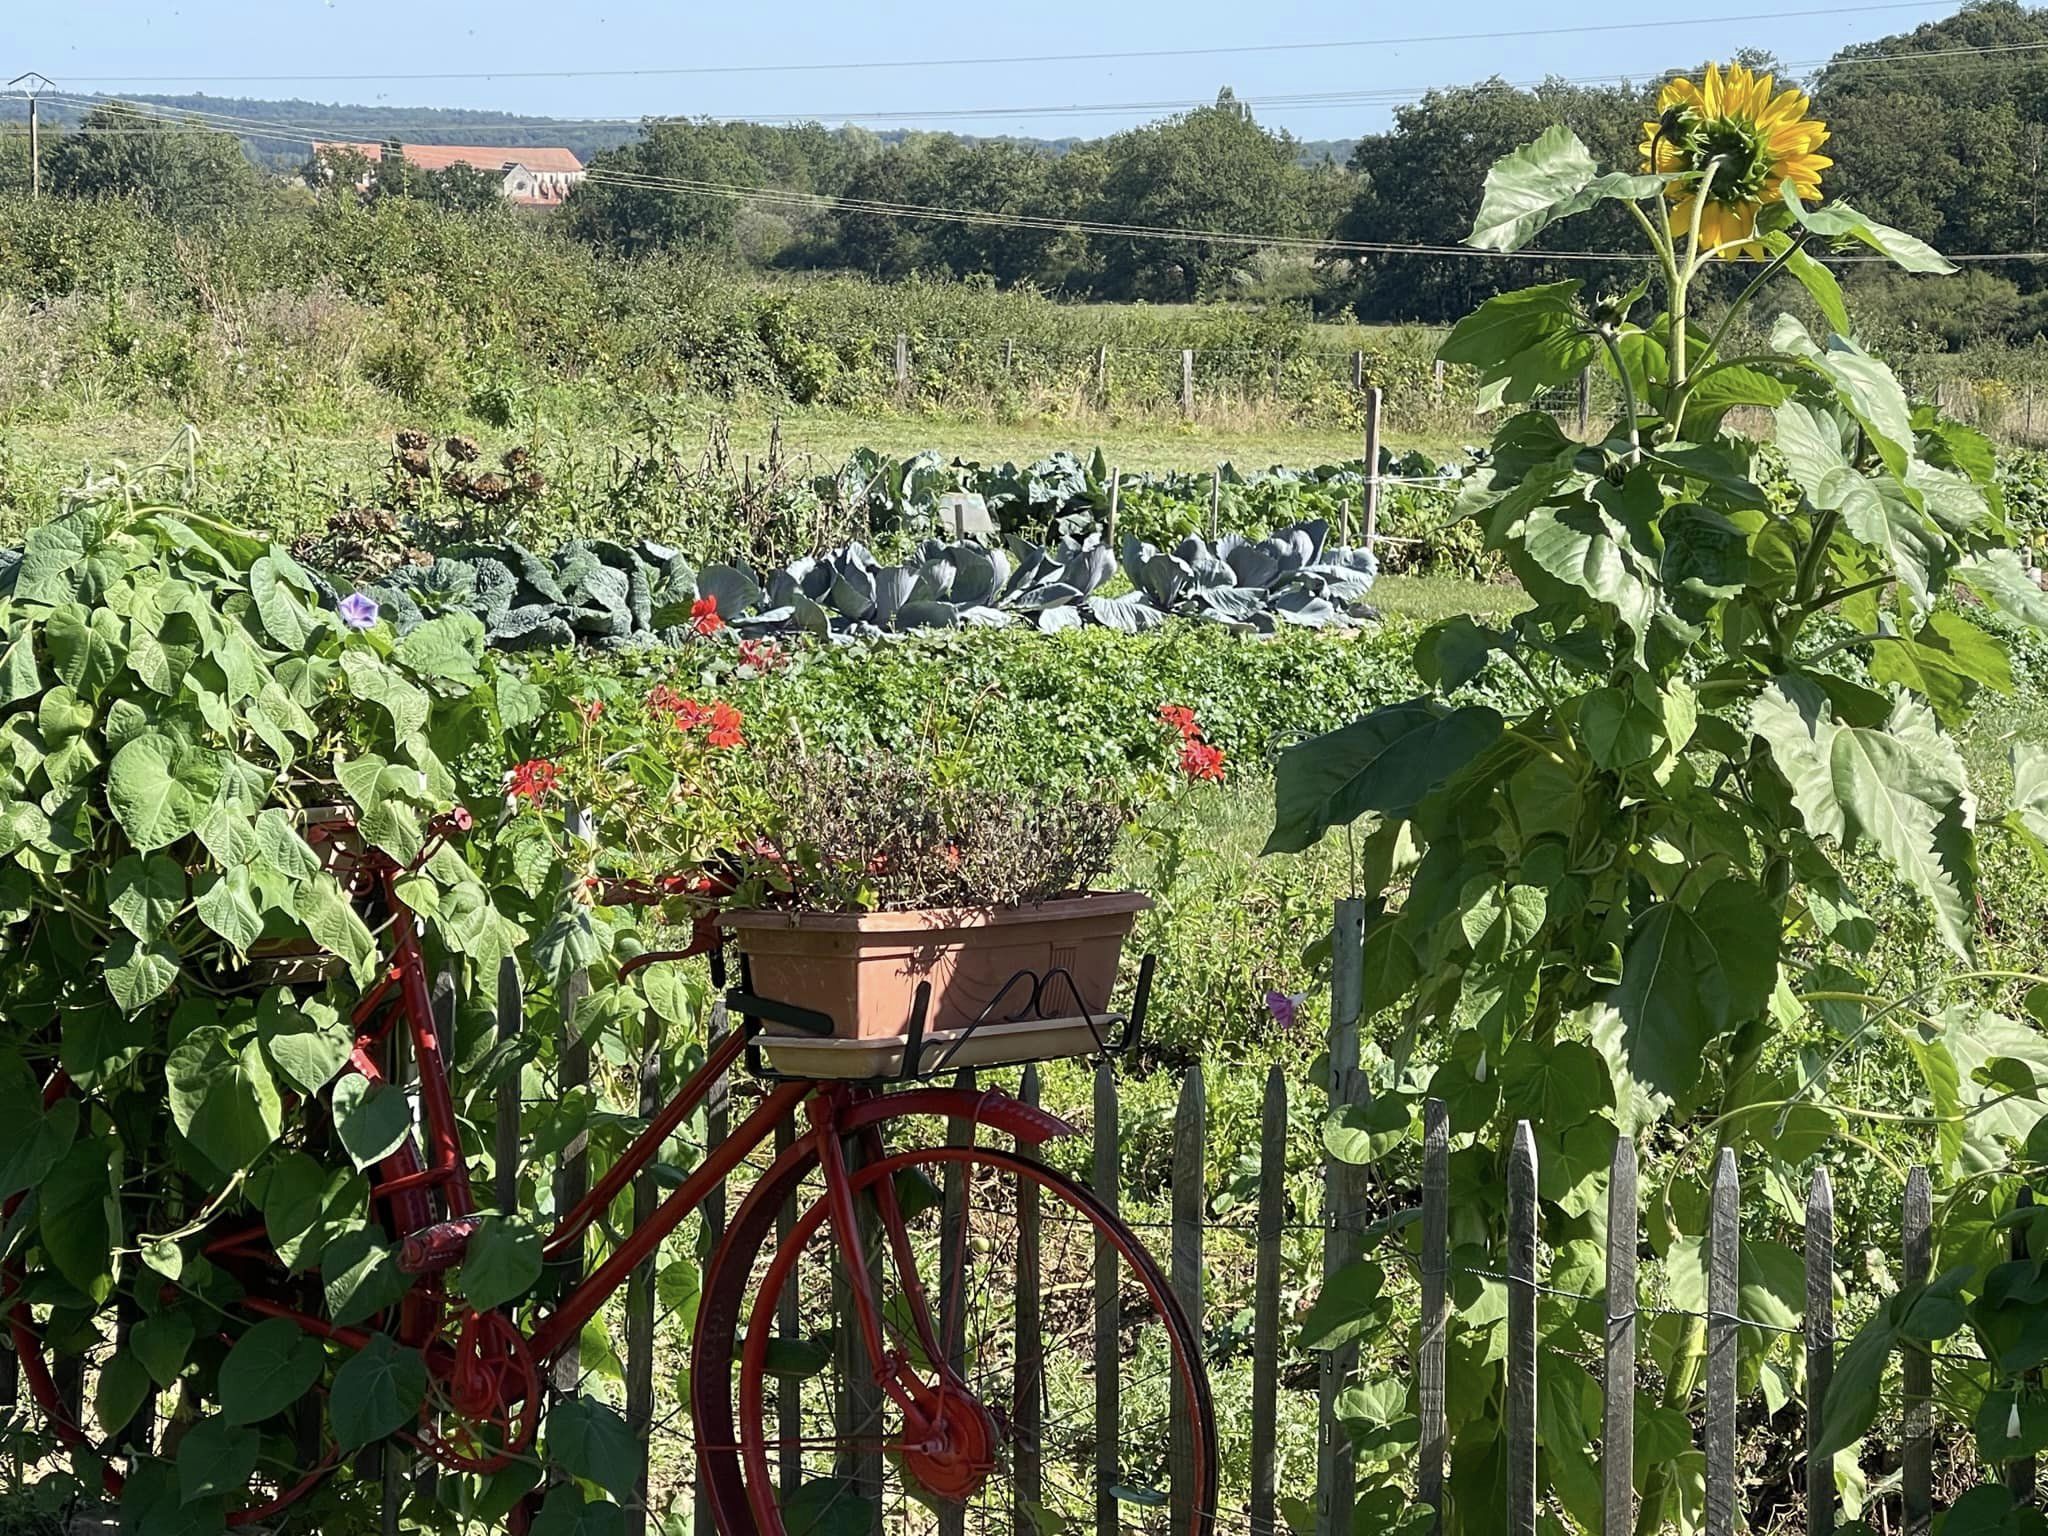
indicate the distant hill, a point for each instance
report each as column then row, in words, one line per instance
column 457, row 125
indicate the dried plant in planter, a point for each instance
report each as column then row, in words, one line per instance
column 895, row 832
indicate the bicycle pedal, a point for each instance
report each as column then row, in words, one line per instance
column 433, row 1249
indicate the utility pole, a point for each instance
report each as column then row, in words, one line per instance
column 32, row 85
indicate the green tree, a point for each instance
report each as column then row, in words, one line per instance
column 179, row 169
column 1952, row 146
column 943, row 171
column 643, row 210
column 463, row 189
column 1210, row 169
column 1418, row 184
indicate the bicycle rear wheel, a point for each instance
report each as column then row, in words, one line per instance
column 977, row 1432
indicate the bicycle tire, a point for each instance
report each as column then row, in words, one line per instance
column 736, row 1316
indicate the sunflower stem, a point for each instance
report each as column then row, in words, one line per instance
column 1676, row 392
column 1771, row 269
column 1628, row 395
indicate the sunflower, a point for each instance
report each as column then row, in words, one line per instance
column 1761, row 140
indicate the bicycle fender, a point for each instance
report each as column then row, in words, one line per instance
column 986, row 1106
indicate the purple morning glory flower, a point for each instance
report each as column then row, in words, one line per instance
column 358, row 611
column 1285, row 1007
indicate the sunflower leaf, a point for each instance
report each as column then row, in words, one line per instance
column 1838, row 221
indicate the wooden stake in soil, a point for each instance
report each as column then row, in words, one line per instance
column 1187, row 383
column 1215, row 500
column 1116, row 481
column 1372, row 465
column 902, row 361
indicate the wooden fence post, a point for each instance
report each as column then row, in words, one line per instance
column 1102, row 373
column 1724, row 1278
column 505, row 1145
column 1585, row 400
column 2021, row 1473
column 1820, row 1349
column 1108, row 1408
column 1521, row 1361
column 717, row 1115
column 1215, row 500
column 1187, row 383
column 902, row 361
column 1263, row 1509
column 1618, row 1427
column 1009, row 352
column 392, row 1465
column 953, row 1298
column 1372, row 465
column 1436, row 380
column 1916, row 1466
column 1433, row 1343
column 1357, row 370
column 1027, row 1409
column 1116, row 486
column 789, row 1324
column 1190, row 1201
column 640, row 1298
column 1341, row 1210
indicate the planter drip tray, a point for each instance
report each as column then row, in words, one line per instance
column 997, row 1043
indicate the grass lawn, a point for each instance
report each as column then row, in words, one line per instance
column 1425, row 599
column 360, row 446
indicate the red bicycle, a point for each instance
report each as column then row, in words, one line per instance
column 918, row 1413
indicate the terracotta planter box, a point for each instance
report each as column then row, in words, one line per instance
column 863, row 968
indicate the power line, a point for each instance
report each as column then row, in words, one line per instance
column 1208, row 51
column 786, row 198
column 1300, row 100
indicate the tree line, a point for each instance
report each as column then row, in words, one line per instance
column 1942, row 130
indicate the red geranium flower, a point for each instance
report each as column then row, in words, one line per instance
column 591, row 709
column 663, row 700
column 725, row 725
column 1182, row 719
column 533, row 780
column 704, row 616
column 761, row 655
column 1199, row 760
column 690, row 714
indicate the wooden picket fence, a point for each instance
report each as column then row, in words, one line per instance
column 1258, row 1508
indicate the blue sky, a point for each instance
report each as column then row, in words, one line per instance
column 275, row 44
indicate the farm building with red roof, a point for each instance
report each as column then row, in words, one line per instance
column 534, row 177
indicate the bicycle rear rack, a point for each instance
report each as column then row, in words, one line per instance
column 754, row 1011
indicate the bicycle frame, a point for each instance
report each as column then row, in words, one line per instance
column 835, row 1110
